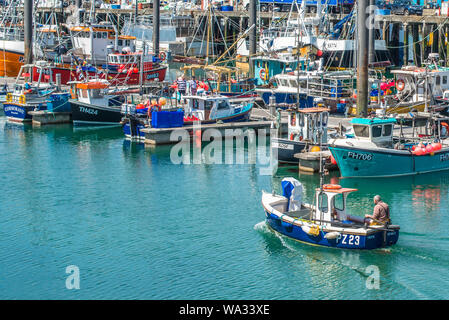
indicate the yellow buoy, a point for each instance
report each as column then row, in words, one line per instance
column 315, row 149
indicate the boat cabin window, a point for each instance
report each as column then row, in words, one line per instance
column 437, row 80
column 221, row 104
column 293, row 83
column 120, row 43
column 444, row 79
column 195, row 104
column 208, row 105
column 361, row 131
column 83, row 93
column 96, row 93
column 387, row 130
column 322, row 202
column 339, row 202
column 376, row 131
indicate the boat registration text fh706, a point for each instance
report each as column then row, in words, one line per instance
column 360, row 156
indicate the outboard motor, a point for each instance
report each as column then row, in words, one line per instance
column 292, row 190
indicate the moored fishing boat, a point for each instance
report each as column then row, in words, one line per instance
column 28, row 95
column 373, row 151
column 93, row 104
column 326, row 222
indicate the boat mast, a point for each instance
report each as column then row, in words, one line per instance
column 28, row 34
column 156, row 26
column 362, row 59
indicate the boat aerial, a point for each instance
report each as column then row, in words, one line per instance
column 326, row 222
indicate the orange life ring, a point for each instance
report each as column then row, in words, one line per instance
column 263, row 74
column 292, row 136
column 332, row 186
column 400, row 85
column 162, row 55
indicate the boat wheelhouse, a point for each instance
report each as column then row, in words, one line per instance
column 29, row 95
column 210, row 109
column 93, row 104
column 124, row 68
column 326, row 222
column 417, row 86
column 306, row 128
column 92, row 42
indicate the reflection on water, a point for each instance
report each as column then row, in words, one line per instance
column 139, row 226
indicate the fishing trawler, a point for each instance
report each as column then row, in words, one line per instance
column 28, row 95
column 93, row 103
column 373, row 151
column 326, row 222
column 92, row 41
column 12, row 45
column 336, row 48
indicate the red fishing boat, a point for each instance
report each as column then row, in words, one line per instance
column 122, row 69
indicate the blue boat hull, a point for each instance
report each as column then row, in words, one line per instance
column 137, row 135
column 346, row 241
column 356, row 162
column 287, row 98
column 18, row 113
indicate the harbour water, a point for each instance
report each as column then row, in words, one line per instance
column 140, row 227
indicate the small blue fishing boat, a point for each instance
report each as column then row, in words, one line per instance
column 210, row 109
column 28, row 95
column 326, row 222
column 201, row 109
column 373, row 151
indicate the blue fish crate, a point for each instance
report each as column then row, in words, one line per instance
column 227, row 8
column 167, row 119
column 59, row 102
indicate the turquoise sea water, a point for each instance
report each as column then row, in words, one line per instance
column 139, row 227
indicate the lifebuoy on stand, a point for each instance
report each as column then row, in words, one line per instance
column 263, row 74
column 400, row 85
column 162, row 56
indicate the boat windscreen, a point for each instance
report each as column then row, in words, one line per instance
column 361, row 131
